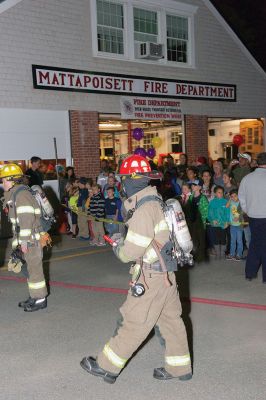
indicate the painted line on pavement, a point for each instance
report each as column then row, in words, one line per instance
column 84, row 253
column 224, row 303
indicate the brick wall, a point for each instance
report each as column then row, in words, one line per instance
column 196, row 131
column 85, row 142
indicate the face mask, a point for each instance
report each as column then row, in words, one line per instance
column 132, row 186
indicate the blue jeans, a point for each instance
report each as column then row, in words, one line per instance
column 111, row 228
column 236, row 246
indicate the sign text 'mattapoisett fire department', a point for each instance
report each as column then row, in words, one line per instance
column 100, row 82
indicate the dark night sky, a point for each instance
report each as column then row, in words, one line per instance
column 248, row 19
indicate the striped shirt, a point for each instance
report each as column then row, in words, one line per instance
column 97, row 205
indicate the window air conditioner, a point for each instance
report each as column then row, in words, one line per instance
column 149, row 50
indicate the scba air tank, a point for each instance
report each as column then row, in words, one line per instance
column 176, row 219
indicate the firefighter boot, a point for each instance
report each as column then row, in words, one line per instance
column 23, row 304
column 163, row 375
column 92, row 367
column 36, row 305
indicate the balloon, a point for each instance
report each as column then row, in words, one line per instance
column 156, row 142
column 151, row 152
column 140, row 151
column 138, row 133
column 238, row 140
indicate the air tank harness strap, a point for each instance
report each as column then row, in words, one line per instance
column 157, row 248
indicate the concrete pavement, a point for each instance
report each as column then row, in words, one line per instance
column 40, row 352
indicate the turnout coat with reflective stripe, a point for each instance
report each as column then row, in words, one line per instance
column 26, row 216
column 146, row 224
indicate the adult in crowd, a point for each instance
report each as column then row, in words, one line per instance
column 33, row 175
column 218, row 173
column 182, row 166
column 202, row 165
column 241, row 167
column 252, row 195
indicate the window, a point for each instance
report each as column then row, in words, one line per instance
column 176, row 142
column 147, row 140
column 110, row 26
column 145, row 25
column 120, row 26
column 177, row 38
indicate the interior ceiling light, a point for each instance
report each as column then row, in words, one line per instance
column 110, row 125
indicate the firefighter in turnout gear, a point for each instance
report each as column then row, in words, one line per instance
column 24, row 214
column 152, row 300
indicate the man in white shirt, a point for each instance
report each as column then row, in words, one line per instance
column 252, row 197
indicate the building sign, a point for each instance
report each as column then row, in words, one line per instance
column 54, row 78
column 150, row 108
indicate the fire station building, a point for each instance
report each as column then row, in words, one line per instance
column 83, row 74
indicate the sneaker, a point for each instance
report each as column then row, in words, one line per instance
column 36, row 305
column 229, row 257
column 237, row 258
column 163, row 375
column 93, row 243
column 101, row 244
column 92, row 367
column 83, row 238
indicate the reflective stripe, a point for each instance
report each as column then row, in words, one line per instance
column 162, row 226
column 25, row 210
column 150, row 256
column 176, row 361
column 13, row 220
column 15, row 243
column 37, row 211
column 25, row 232
column 37, row 285
column 114, row 358
column 139, row 240
column 37, row 236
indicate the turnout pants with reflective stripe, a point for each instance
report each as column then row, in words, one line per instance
column 159, row 306
column 36, row 280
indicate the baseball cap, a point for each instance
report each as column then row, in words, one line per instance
column 244, row 155
column 196, row 182
column 83, row 180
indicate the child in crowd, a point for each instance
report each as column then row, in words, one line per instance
column 97, row 210
column 198, row 219
column 236, row 227
column 87, row 205
column 218, row 218
column 228, row 184
column 111, row 183
column 73, row 205
column 111, row 211
column 82, row 217
column 184, row 201
column 208, row 186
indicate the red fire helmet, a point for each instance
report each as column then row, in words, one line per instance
column 134, row 165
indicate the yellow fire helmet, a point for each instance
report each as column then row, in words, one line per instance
column 10, row 171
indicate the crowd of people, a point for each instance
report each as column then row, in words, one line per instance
column 208, row 194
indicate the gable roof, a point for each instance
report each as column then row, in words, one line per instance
column 233, row 35
column 6, row 4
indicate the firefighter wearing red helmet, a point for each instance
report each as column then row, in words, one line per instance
column 153, row 300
